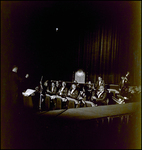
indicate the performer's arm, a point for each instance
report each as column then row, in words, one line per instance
column 101, row 99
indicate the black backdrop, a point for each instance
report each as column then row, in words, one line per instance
column 99, row 37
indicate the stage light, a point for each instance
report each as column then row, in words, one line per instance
column 80, row 73
column 56, row 29
column 80, row 76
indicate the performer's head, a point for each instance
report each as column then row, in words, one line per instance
column 89, row 84
column 99, row 78
column 63, row 84
column 52, row 84
column 57, row 83
column 73, row 86
column 15, row 69
column 101, row 88
column 46, row 83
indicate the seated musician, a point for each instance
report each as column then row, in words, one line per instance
column 73, row 93
column 99, row 82
column 58, row 85
column 89, row 91
column 99, row 97
column 52, row 92
column 133, row 94
column 45, row 87
column 36, row 97
column 63, row 91
column 52, row 89
column 82, row 97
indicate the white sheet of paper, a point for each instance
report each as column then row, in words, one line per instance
column 28, row 92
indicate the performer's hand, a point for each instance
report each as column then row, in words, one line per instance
column 33, row 94
column 48, row 91
column 93, row 97
column 27, row 75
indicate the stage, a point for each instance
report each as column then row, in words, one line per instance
column 114, row 126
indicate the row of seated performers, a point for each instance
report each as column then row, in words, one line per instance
column 83, row 95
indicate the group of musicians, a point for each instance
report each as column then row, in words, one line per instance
column 95, row 93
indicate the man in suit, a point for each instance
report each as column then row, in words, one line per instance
column 73, row 94
column 89, row 91
column 15, row 86
column 58, row 85
column 99, row 82
column 52, row 92
column 63, row 91
column 53, row 89
column 82, row 97
column 99, row 97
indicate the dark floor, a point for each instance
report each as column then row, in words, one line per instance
column 27, row 130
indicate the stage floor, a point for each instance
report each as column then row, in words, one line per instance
column 54, row 130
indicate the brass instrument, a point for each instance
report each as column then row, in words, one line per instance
column 118, row 101
column 61, row 92
column 41, row 88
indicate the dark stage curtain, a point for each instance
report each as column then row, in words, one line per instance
column 106, row 51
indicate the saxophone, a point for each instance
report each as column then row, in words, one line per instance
column 61, row 92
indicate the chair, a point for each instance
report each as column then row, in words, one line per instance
column 47, row 102
column 71, row 104
column 58, row 103
column 89, row 104
column 82, row 104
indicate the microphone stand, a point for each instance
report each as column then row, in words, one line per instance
column 41, row 88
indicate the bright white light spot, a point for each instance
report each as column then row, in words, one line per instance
column 56, row 29
column 79, row 73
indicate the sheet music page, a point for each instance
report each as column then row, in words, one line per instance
column 28, row 92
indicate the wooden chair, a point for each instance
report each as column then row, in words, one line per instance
column 47, row 102
column 58, row 103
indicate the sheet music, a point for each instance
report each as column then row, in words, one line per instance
column 28, row 92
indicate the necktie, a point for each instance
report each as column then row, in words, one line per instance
column 72, row 91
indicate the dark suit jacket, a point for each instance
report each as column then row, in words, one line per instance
column 102, row 97
column 52, row 92
column 74, row 94
column 88, row 94
column 97, row 86
column 82, row 95
column 15, row 87
column 63, row 93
